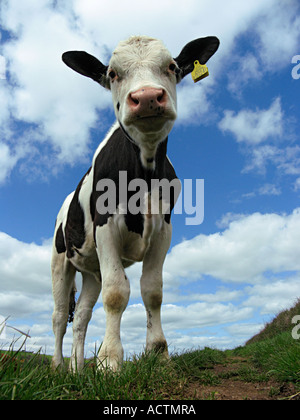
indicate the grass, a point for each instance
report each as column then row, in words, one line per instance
column 279, row 356
column 143, row 378
column 275, row 350
column 29, row 377
column 268, row 357
column 26, row 376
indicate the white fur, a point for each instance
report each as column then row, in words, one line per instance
column 143, row 62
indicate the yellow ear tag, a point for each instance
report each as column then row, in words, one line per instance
column 200, row 71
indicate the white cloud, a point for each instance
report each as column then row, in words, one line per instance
column 24, row 268
column 264, row 190
column 45, row 92
column 7, row 162
column 265, row 139
column 248, row 69
column 23, row 304
column 193, row 104
column 249, row 247
column 191, row 19
column 221, row 295
column 203, row 314
column 269, row 189
column 286, row 160
column 266, row 296
column 244, row 330
column 279, row 31
column 297, row 184
column 254, row 127
column 2, row 68
column 274, row 33
column 227, row 218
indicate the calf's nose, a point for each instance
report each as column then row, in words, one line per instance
column 147, row 101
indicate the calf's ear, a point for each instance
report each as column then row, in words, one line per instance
column 200, row 49
column 87, row 65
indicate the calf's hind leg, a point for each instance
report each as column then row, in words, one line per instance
column 63, row 275
column 84, row 307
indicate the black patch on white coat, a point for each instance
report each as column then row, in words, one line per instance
column 60, row 241
column 74, row 230
column 120, row 154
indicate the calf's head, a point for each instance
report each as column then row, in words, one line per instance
column 142, row 76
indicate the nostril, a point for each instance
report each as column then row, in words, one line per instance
column 134, row 100
column 147, row 98
column 160, row 98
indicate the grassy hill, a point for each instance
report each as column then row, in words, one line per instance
column 281, row 323
column 275, row 350
column 267, row 367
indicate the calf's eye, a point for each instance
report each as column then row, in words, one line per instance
column 112, row 74
column 172, row 67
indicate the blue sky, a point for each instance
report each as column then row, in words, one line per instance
column 238, row 130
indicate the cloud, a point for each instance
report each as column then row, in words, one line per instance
column 22, row 305
column 286, row 160
column 227, row 218
column 7, row 162
column 2, row 68
column 264, row 190
column 297, row 184
column 143, row 18
column 249, row 247
column 203, row 314
column 254, row 127
column 24, row 268
column 247, row 69
column 45, row 94
column 269, row 189
column 243, row 330
column 279, row 31
column 265, row 296
column 274, row 37
column 265, row 138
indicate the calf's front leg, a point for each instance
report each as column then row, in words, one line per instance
column 115, row 294
column 152, row 289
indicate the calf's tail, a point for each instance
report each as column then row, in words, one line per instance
column 72, row 303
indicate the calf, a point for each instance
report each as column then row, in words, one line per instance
column 101, row 240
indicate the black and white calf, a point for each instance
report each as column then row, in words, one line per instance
column 142, row 76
